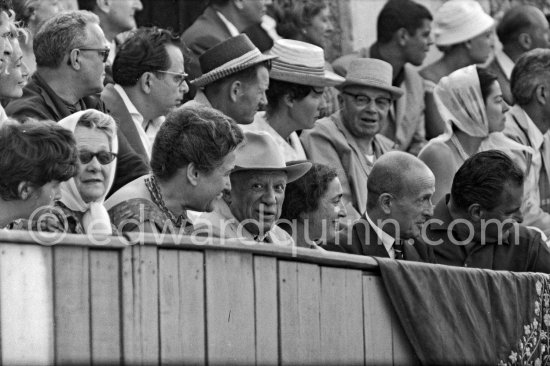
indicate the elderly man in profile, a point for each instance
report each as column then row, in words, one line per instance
column 253, row 206
column 235, row 76
column 522, row 28
column 399, row 204
column 349, row 140
column 478, row 223
column 71, row 51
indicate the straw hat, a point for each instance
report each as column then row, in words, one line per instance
column 301, row 63
column 458, row 21
column 231, row 56
column 371, row 72
column 259, row 151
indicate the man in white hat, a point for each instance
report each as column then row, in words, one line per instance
column 349, row 140
column 522, row 29
column 235, row 76
column 297, row 81
column 403, row 40
column 253, row 206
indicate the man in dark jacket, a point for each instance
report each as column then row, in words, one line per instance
column 70, row 51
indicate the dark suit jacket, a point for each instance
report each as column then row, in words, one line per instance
column 206, row 32
column 363, row 240
column 116, row 107
column 40, row 101
column 495, row 68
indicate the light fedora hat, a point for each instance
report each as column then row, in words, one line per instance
column 259, row 151
column 458, row 21
column 301, row 63
column 371, row 72
column 226, row 58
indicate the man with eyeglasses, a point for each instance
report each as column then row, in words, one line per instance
column 70, row 51
column 150, row 80
column 349, row 139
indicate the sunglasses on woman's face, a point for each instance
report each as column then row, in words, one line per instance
column 104, row 157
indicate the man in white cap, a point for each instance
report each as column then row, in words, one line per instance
column 253, row 206
column 349, row 140
column 297, row 81
column 235, row 76
column 403, row 40
column 522, row 29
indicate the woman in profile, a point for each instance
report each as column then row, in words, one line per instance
column 35, row 158
column 313, row 207
column 192, row 157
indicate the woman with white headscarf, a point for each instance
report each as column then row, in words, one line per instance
column 82, row 196
column 471, row 104
column 464, row 33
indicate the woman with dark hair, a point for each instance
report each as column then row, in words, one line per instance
column 471, row 104
column 192, row 157
column 313, row 207
column 82, row 197
column 35, row 158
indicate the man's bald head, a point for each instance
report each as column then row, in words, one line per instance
column 526, row 19
column 393, row 173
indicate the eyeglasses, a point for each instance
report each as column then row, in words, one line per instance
column 103, row 52
column 104, row 157
column 179, row 77
column 362, row 100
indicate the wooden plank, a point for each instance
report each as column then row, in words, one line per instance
column 72, row 305
column 265, row 290
column 181, row 290
column 342, row 316
column 299, row 297
column 140, row 305
column 377, row 322
column 105, row 306
column 230, row 308
column 26, row 305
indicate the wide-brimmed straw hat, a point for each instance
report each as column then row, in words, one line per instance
column 371, row 72
column 259, row 151
column 458, row 21
column 301, row 63
column 231, row 56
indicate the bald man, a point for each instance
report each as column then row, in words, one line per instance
column 400, row 188
column 521, row 29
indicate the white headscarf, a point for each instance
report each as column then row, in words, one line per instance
column 96, row 219
column 460, row 102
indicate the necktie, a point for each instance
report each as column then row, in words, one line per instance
column 399, row 249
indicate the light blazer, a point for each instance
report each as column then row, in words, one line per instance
column 329, row 142
column 117, row 109
column 410, row 130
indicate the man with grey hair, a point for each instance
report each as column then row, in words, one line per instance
column 400, row 189
column 70, row 51
column 528, row 122
column 521, row 29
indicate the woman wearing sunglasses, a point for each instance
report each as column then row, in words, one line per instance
column 82, row 196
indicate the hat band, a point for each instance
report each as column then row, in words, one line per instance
column 245, row 58
column 284, row 67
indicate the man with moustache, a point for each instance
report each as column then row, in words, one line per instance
column 478, row 223
column 349, row 139
column 400, row 188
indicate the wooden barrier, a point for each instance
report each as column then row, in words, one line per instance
column 77, row 302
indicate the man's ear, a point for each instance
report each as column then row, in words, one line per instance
column 402, row 36
column 541, row 94
column 192, row 174
column 525, row 41
column 289, row 102
column 235, row 90
column 25, row 190
column 104, row 5
column 385, row 202
column 145, row 82
column 475, row 212
column 74, row 59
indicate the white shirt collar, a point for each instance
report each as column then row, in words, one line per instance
column 230, row 26
column 386, row 238
column 505, row 62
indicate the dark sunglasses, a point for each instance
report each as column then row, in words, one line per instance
column 104, row 157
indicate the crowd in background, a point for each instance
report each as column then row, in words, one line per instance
column 240, row 129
